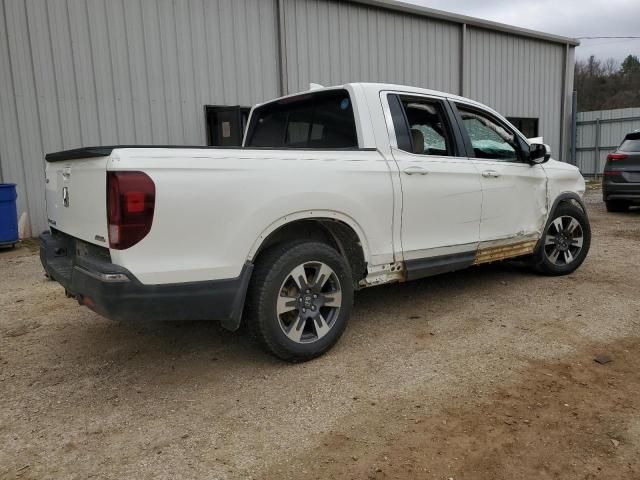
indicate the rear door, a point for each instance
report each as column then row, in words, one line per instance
column 76, row 197
column 514, row 192
column 441, row 190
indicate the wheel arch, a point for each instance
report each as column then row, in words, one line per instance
column 543, row 264
column 334, row 228
column 563, row 198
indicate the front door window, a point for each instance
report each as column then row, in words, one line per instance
column 489, row 139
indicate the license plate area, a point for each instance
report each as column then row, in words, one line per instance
column 82, row 248
column 86, row 249
column 631, row 177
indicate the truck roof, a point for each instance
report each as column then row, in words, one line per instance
column 373, row 87
column 380, row 87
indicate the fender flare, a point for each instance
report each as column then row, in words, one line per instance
column 310, row 215
column 560, row 198
column 566, row 196
column 233, row 323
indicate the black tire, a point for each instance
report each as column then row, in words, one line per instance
column 617, row 205
column 273, row 268
column 542, row 258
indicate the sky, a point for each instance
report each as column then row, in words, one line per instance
column 569, row 18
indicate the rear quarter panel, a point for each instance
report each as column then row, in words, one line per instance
column 214, row 206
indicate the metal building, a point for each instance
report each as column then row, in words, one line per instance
column 89, row 72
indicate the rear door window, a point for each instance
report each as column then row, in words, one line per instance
column 322, row 120
column 421, row 126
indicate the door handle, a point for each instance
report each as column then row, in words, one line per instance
column 415, row 171
column 490, row 174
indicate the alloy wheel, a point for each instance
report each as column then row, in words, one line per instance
column 309, row 302
column 563, row 240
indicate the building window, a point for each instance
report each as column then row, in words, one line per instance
column 226, row 125
column 527, row 126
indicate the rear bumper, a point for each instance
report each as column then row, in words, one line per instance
column 621, row 191
column 116, row 293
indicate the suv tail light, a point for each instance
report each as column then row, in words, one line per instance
column 131, row 198
column 616, row 156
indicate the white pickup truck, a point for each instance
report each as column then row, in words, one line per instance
column 335, row 189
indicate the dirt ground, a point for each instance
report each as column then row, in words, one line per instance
column 487, row 373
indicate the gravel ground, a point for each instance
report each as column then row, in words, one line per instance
column 485, row 373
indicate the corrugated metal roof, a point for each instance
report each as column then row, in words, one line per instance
column 473, row 21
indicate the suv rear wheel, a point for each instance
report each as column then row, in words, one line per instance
column 565, row 242
column 299, row 300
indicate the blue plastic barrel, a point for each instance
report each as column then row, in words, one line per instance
column 8, row 214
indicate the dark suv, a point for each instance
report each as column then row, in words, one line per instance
column 621, row 176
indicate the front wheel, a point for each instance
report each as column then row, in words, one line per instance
column 565, row 242
column 299, row 300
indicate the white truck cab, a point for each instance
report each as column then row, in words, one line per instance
column 333, row 190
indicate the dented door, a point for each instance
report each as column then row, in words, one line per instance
column 514, row 200
column 514, row 191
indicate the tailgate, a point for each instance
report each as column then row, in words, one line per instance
column 76, row 195
column 631, row 167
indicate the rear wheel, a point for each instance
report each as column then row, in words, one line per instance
column 299, row 300
column 565, row 242
column 617, row 205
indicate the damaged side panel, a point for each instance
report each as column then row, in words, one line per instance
column 563, row 178
column 436, row 264
column 503, row 252
column 514, row 204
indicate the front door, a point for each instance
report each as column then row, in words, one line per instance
column 441, row 189
column 514, row 198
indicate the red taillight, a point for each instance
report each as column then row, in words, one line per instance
column 616, row 156
column 134, row 202
column 131, row 198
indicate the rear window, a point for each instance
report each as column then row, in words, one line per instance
column 630, row 145
column 316, row 120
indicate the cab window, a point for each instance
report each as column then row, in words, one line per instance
column 489, row 138
column 323, row 120
column 421, row 126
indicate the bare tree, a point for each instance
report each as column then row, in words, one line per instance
column 605, row 85
column 611, row 66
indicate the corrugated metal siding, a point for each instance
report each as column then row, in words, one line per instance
column 332, row 42
column 568, row 105
column 88, row 72
column 611, row 135
column 517, row 76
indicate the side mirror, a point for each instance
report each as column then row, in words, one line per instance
column 539, row 153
